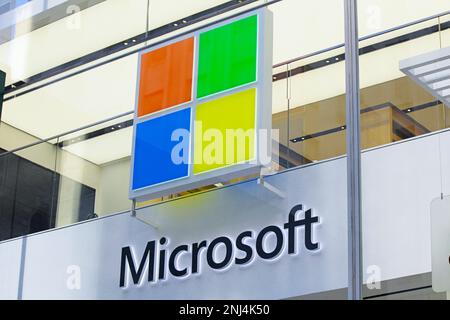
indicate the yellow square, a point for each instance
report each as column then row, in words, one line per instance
column 224, row 131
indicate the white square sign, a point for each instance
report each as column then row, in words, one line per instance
column 440, row 244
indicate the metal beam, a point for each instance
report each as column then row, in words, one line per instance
column 125, row 45
column 353, row 151
column 431, row 71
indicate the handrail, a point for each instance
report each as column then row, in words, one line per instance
column 66, row 133
column 373, row 35
column 403, row 113
column 131, row 52
column 190, row 31
column 287, row 62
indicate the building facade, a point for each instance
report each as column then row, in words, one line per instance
column 68, row 229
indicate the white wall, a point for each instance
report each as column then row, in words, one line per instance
column 399, row 183
column 112, row 192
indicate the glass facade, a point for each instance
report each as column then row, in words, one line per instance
column 66, row 127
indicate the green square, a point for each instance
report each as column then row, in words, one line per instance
column 227, row 56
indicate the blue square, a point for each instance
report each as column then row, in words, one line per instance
column 159, row 155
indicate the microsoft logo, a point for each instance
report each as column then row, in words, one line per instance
column 203, row 107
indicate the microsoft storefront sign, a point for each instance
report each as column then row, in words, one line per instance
column 203, row 108
column 158, row 263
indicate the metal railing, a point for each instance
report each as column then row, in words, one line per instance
column 312, row 54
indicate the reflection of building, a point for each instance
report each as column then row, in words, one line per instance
column 81, row 94
column 29, row 197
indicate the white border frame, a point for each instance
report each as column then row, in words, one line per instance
column 263, row 120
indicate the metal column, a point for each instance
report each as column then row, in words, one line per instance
column 353, row 151
column 2, row 90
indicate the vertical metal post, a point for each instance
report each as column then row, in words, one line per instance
column 353, row 151
column 133, row 208
column 2, row 90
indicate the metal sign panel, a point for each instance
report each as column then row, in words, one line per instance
column 440, row 244
column 203, row 107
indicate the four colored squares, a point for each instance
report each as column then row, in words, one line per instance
column 191, row 94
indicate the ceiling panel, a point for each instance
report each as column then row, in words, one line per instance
column 92, row 96
column 105, row 148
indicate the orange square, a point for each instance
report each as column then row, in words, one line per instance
column 166, row 77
